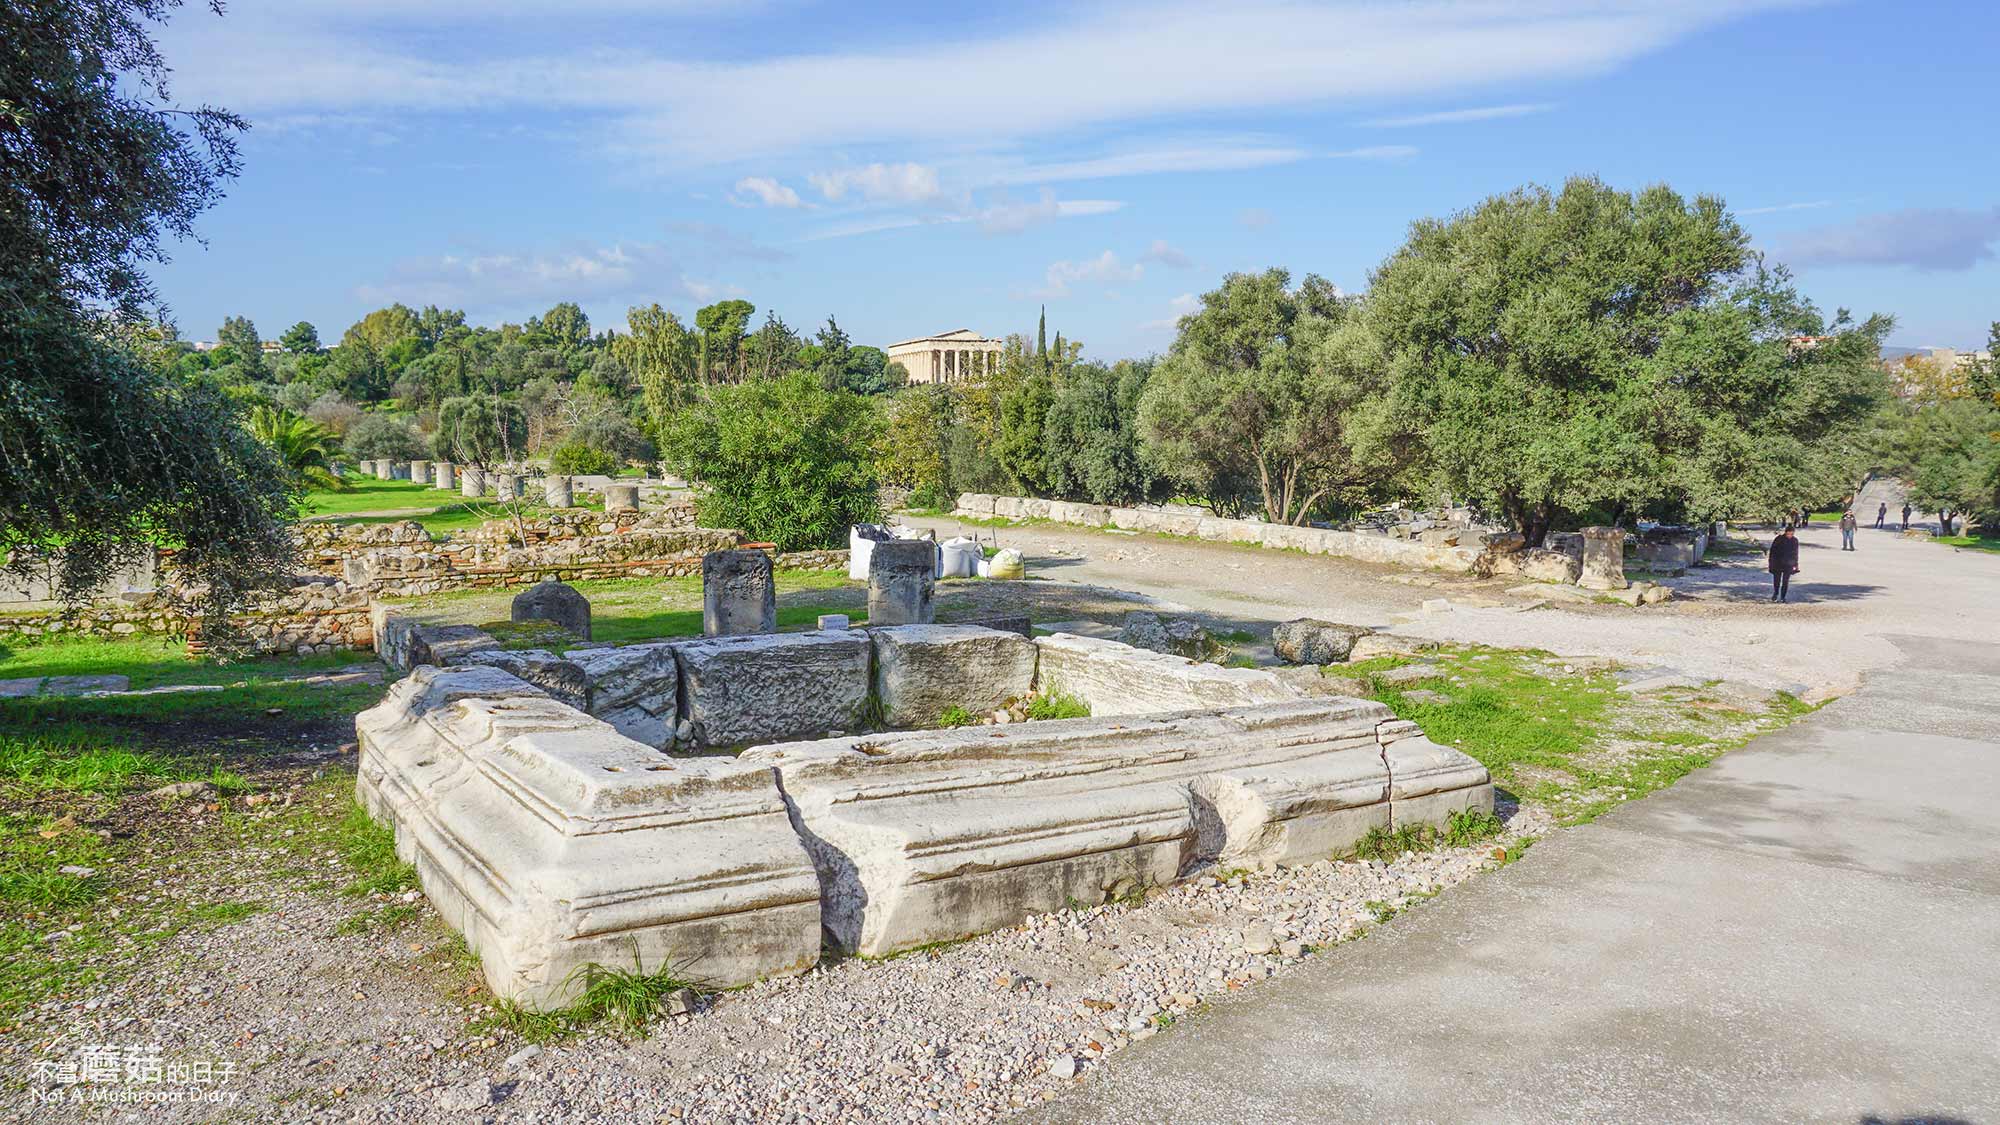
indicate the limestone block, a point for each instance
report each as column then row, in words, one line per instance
column 551, row 842
column 1429, row 782
column 385, row 470
column 555, row 602
column 472, row 481
column 1117, row 679
column 1169, row 523
column 557, row 491
column 1090, row 515
column 1035, row 508
column 902, row 577
column 1005, row 622
column 405, row 642
column 934, row 835
column 635, row 688
column 1128, row 519
column 1388, row 644
column 738, row 593
column 975, row 504
column 1288, row 537
column 420, row 472
column 1603, row 559
column 444, row 475
column 921, row 670
column 740, row 690
column 1007, row 507
column 1309, row 641
column 621, row 498
column 1543, row 565
column 564, row 680
column 508, row 486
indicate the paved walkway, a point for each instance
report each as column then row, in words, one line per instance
column 1809, row 930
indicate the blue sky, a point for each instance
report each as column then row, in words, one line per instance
column 911, row 168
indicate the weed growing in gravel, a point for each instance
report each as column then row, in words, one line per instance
column 1057, row 705
column 956, row 716
column 1464, row 827
column 370, row 849
column 627, row 999
column 72, row 761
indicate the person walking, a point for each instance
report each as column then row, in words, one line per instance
column 1881, row 515
column 1847, row 525
column 1906, row 517
column 1784, row 563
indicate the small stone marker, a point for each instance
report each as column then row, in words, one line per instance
column 420, row 472
column 625, row 498
column 738, row 596
column 834, row 621
column 1603, row 559
column 902, row 575
column 507, row 486
column 472, row 482
column 385, row 470
column 556, row 490
column 444, row 475
column 554, row 602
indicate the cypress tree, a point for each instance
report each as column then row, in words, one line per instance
column 1042, row 333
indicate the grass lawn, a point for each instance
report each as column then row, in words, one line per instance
column 1970, row 542
column 1568, row 740
column 149, row 661
column 370, row 495
column 627, row 610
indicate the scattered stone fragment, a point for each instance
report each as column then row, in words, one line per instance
column 1258, row 939
column 1309, row 641
column 554, row 602
column 1409, row 673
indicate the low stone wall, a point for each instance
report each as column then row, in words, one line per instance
column 317, row 616
column 1411, row 553
column 563, row 843
column 1669, row 548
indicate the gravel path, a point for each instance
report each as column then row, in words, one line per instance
column 1720, row 626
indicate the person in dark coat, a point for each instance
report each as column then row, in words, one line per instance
column 1906, row 517
column 1783, row 564
column 1881, row 515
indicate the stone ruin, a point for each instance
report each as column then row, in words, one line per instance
column 549, row 823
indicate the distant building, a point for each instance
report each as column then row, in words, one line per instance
column 958, row 356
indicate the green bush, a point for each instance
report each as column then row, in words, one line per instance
column 784, row 460
column 576, row 457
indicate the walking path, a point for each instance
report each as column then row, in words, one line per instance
column 1807, row 930
column 1721, row 625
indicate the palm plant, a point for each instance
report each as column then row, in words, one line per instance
column 309, row 450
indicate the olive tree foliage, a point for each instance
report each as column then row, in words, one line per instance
column 1091, row 445
column 377, row 437
column 103, row 457
column 663, row 355
column 1264, row 397
column 912, row 450
column 1593, row 350
column 784, row 460
column 480, row 429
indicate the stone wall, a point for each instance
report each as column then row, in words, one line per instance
column 317, row 616
column 1435, row 554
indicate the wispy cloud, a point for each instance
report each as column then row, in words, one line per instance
column 1145, row 162
column 880, row 183
column 1001, row 217
column 1376, row 152
column 1812, row 205
column 1185, row 57
column 1460, row 116
column 1106, row 268
column 767, row 191
column 486, row 282
column 1941, row 239
column 1167, row 256
column 1176, row 309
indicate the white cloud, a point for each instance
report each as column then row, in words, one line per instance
column 1921, row 238
column 1461, row 116
column 1185, row 57
column 484, row 283
column 880, row 183
column 1193, row 158
column 1376, row 152
column 1176, row 309
column 1105, row 269
column 1811, row 205
column 1003, row 217
column 767, row 191
column 1167, row 256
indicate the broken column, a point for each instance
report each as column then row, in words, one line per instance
column 508, row 486
column 443, row 475
column 621, row 498
column 1603, row 559
column 556, row 490
column 738, row 595
column 385, row 470
column 554, row 602
column 420, row 472
column 902, row 573
column 472, row 482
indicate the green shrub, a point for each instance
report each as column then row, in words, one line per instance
column 574, row 457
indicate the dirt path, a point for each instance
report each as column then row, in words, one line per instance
column 1721, row 625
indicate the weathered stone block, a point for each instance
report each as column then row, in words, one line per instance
column 902, row 576
column 1005, row 622
column 738, row 595
column 1603, row 559
column 385, row 470
column 1309, row 641
column 555, row 602
column 921, row 670
column 405, row 642
column 557, row 491
column 621, row 498
column 444, row 475
column 635, row 688
column 562, row 679
column 975, row 504
column 472, row 481
column 741, row 690
column 1117, row 679
column 551, row 842
column 1544, row 565
column 420, row 472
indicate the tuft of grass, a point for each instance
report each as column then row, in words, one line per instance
column 1057, row 705
column 370, row 849
column 1462, row 829
column 74, row 761
column 628, row 999
column 225, row 913
column 956, row 716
